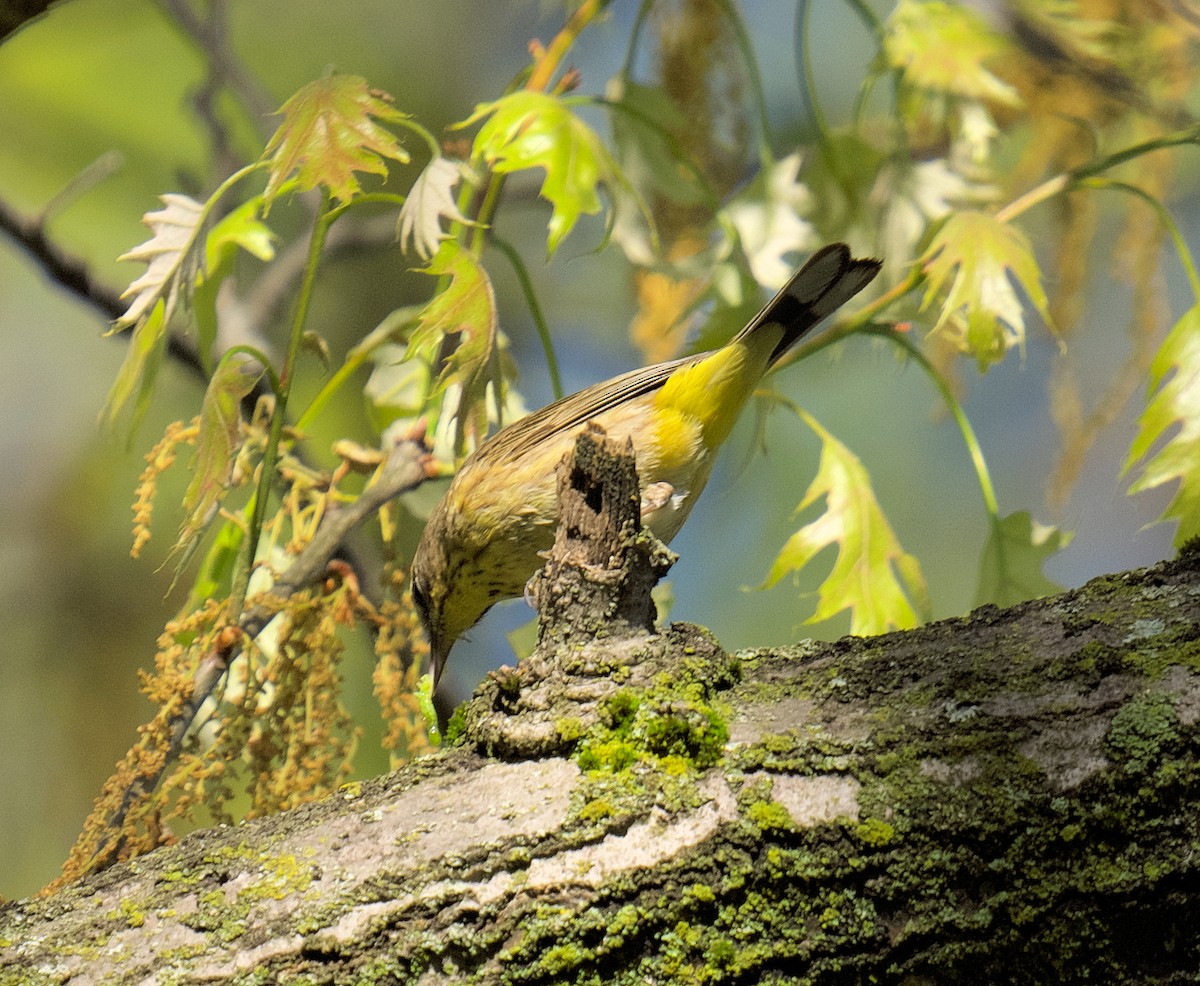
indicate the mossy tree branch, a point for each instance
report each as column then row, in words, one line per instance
column 1007, row 797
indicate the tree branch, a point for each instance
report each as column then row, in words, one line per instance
column 211, row 36
column 1004, row 798
column 71, row 273
column 406, row 467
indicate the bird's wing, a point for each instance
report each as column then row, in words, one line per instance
column 577, row 409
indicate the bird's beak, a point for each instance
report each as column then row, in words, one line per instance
column 438, row 652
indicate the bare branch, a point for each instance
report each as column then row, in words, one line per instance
column 73, row 274
column 225, row 68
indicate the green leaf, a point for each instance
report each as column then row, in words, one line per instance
column 217, row 446
column 430, row 200
column 135, row 379
column 534, row 130
column 1175, row 385
column 397, row 386
column 970, row 260
column 1011, row 568
column 329, row 133
column 241, row 229
column 872, row 576
column 943, row 47
column 645, row 123
column 914, row 195
column 171, row 255
column 523, row 639
column 467, row 309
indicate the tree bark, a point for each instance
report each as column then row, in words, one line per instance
column 1009, row 797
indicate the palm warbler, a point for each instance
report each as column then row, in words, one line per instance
column 482, row 540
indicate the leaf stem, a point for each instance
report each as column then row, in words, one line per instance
column 765, row 155
column 1169, row 224
column 358, row 354
column 1035, row 196
column 548, row 61
column 487, row 209
column 435, row 149
column 635, row 36
column 535, row 310
column 367, row 198
column 808, row 91
column 325, row 216
column 1081, row 175
column 259, row 357
column 867, row 16
column 986, row 488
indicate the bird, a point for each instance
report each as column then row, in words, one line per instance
column 482, row 541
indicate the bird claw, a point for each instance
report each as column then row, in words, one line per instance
column 656, row 496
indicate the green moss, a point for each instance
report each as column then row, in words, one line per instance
column 676, row 766
column 809, row 750
column 597, row 810
column 1153, row 653
column 456, row 728
column 561, row 958
column 1189, row 551
column 608, row 754
column 569, row 728
column 133, row 915
column 284, row 876
column 178, row 877
column 624, row 924
column 622, row 707
column 770, row 816
column 695, row 731
column 190, row 951
column 675, row 727
column 1091, row 662
column 875, row 832
column 604, row 799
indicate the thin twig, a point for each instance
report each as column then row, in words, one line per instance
column 406, row 467
column 73, row 274
column 212, row 39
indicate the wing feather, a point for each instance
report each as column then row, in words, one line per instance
column 578, row 408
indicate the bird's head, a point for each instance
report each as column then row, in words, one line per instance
column 448, row 600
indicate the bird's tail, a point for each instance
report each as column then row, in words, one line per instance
column 829, row 279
